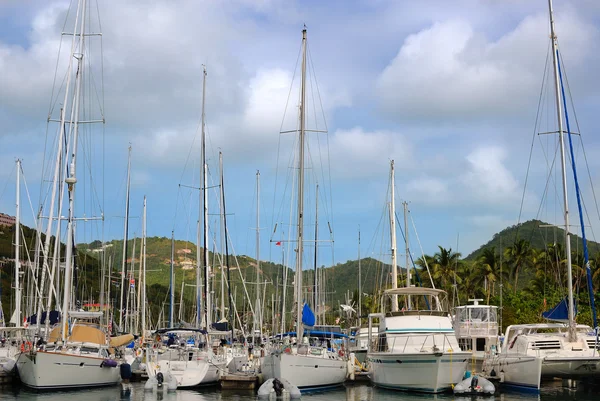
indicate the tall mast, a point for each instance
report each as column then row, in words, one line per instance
column 126, row 231
column 300, row 237
column 207, row 303
column 172, row 280
column 142, row 284
column 71, row 180
column 316, row 248
column 58, row 171
column 559, row 116
column 359, row 282
column 223, row 239
column 393, row 237
column 408, row 276
column 231, row 303
column 18, row 322
column 259, row 311
column 140, row 305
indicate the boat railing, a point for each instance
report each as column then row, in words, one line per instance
column 425, row 342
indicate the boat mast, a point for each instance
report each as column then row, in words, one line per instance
column 70, row 180
column 408, row 276
column 258, row 316
column 559, row 116
column 142, row 284
column 300, row 236
column 207, row 303
column 359, row 282
column 393, row 237
column 58, row 171
column 126, row 231
column 316, row 248
column 18, row 322
column 172, row 280
column 231, row 303
column 223, row 239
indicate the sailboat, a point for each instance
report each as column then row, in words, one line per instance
column 305, row 365
column 12, row 337
column 564, row 350
column 190, row 358
column 415, row 348
column 76, row 353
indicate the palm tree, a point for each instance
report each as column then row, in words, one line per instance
column 444, row 265
column 519, row 256
column 489, row 270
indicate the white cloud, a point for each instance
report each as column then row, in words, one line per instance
column 450, row 70
column 488, row 179
column 429, row 190
column 358, row 153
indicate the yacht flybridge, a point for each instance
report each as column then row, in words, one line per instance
column 477, row 330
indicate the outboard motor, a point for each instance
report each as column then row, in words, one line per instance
column 125, row 370
column 474, row 383
column 278, row 387
column 160, row 379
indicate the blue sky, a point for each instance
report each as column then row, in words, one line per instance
column 449, row 90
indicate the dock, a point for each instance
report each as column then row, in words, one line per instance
column 240, row 381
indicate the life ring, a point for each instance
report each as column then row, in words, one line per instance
column 139, row 352
column 287, row 350
column 26, row 346
column 341, row 352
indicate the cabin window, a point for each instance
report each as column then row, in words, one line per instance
column 382, row 343
column 464, row 344
column 480, row 344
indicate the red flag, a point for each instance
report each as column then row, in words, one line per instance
column 278, row 243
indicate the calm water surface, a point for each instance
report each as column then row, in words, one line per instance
column 348, row 393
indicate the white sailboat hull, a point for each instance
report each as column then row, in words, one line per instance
column 571, row 367
column 523, row 372
column 424, row 372
column 52, row 370
column 187, row 373
column 304, row 371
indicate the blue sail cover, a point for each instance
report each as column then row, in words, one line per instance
column 560, row 312
column 308, row 317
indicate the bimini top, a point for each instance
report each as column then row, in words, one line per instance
column 173, row 329
column 314, row 333
column 80, row 314
column 415, row 291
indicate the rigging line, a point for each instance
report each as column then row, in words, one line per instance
column 531, row 148
column 327, row 136
column 7, row 180
column 412, row 261
column 583, row 149
column 578, row 193
column 328, row 211
column 421, row 247
column 273, row 216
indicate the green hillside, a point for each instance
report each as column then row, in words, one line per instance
column 538, row 234
column 530, row 270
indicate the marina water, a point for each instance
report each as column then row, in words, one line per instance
column 351, row 392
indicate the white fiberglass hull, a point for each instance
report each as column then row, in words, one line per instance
column 571, row 367
column 213, row 375
column 54, row 370
column 523, row 372
column 304, row 371
column 187, row 373
column 423, row 372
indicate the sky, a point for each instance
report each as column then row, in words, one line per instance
column 448, row 90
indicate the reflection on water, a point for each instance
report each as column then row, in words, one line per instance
column 357, row 392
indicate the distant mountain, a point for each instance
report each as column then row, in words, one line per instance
column 538, row 233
